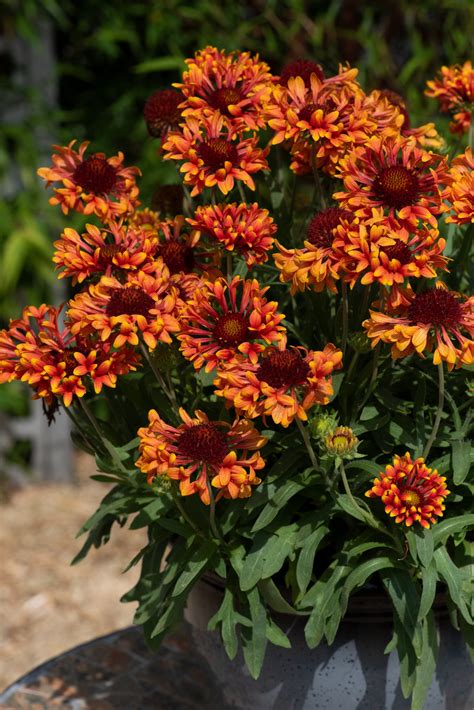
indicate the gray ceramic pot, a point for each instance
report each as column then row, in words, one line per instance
column 352, row 674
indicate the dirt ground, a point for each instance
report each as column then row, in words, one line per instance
column 47, row 606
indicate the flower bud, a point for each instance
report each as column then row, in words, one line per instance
column 322, row 424
column 341, row 442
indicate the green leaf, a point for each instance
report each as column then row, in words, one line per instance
column 267, row 555
column 305, row 564
column 429, row 579
column 254, row 638
column 226, row 617
column 277, row 502
column 424, row 546
column 321, row 596
column 454, row 580
column 404, row 595
column 276, row 636
column 361, row 574
column 159, row 64
column 195, row 566
column 443, row 530
column 427, row 665
column 274, row 598
column 364, row 465
column 461, row 460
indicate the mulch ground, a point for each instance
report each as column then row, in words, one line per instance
column 47, row 606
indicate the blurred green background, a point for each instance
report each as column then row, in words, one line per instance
column 83, row 70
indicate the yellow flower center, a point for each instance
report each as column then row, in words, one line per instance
column 411, row 497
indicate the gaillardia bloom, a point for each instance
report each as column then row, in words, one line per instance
column 460, row 190
column 317, row 264
column 420, row 322
column 410, row 491
column 161, row 112
column 224, row 319
column 53, row 361
column 103, row 251
column 211, row 157
column 200, row 453
column 93, row 185
column 454, row 89
column 234, row 85
column 283, row 384
column 247, row 229
column 385, row 252
column 143, row 306
column 395, row 174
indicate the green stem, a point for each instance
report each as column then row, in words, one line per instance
column 373, row 377
column 181, row 509
column 212, row 513
column 241, row 191
column 317, row 179
column 310, row 450
column 347, row 489
column 159, row 377
column 345, row 317
column 230, row 267
column 439, row 411
column 108, row 446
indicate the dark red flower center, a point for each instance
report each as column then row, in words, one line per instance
column 129, row 301
column 223, row 98
column 397, row 186
column 307, row 111
column 303, row 68
column 321, row 227
column 161, row 111
column 399, row 251
column 436, row 306
column 283, row 369
column 203, row 442
column 95, row 175
column 214, row 152
column 69, row 360
column 177, row 256
column 232, row 329
column 108, row 251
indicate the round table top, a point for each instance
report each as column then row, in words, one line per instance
column 119, row 672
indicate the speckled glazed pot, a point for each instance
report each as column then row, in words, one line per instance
column 352, row 674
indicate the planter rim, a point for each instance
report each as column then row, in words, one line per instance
column 365, row 606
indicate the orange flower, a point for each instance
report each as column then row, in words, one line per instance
column 390, row 112
column 55, row 363
column 321, row 121
column 233, row 85
column 435, row 318
column 103, row 251
column 375, row 251
column 410, row 491
column 223, row 319
column 460, row 190
column 395, row 174
column 94, row 185
column 144, row 305
column 248, row 229
column 201, row 452
column 145, row 219
column 212, row 157
column 285, row 383
column 454, row 89
column 161, row 112
column 317, row 264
